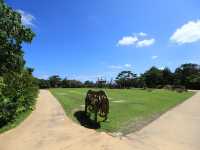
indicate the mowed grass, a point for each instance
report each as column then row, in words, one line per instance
column 130, row 109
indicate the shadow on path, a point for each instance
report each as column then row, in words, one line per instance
column 85, row 120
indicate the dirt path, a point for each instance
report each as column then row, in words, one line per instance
column 49, row 129
column 178, row 129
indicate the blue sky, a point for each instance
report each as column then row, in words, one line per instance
column 91, row 38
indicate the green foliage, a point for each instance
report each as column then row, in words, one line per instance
column 125, row 79
column 18, row 88
column 75, row 84
column 168, row 77
column 89, row 84
column 43, row 84
column 12, row 35
column 153, row 77
column 188, row 75
column 55, row 81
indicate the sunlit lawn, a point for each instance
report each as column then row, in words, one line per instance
column 129, row 108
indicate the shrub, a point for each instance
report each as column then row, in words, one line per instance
column 168, row 87
column 179, row 88
column 18, row 88
column 17, row 95
column 43, row 84
column 159, row 86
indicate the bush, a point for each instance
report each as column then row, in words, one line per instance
column 168, row 87
column 159, row 86
column 18, row 88
column 43, row 84
column 179, row 88
column 18, row 94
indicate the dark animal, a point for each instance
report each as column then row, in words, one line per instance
column 97, row 102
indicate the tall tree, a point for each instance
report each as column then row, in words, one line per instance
column 55, row 81
column 12, row 34
column 153, row 77
column 167, row 77
column 186, row 74
column 125, row 79
column 19, row 88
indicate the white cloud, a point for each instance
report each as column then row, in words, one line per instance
column 115, row 67
column 145, row 43
column 27, row 19
column 127, row 40
column 138, row 40
column 188, row 33
column 154, row 57
column 142, row 34
column 125, row 66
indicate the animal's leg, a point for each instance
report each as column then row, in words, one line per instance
column 106, row 117
column 95, row 117
column 85, row 108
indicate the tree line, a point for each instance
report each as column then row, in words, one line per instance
column 18, row 87
column 187, row 76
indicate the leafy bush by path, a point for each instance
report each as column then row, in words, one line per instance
column 18, row 87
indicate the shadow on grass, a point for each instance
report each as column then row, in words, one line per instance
column 85, row 120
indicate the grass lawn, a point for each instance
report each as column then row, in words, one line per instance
column 19, row 119
column 130, row 109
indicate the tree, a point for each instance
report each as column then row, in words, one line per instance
column 153, row 77
column 167, row 77
column 43, row 84
column 65, row 83
column 19, row 89
column 187, row 74
column 75, row 84
column 89, row 84
column 12, row 35
column 125, row 79
column 194, row 82
column 55, row 81
column 140, row 82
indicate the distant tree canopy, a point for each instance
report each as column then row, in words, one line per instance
column 167, row 77
column 18, row 88
column 55, row 81
column 185, row 76
column 153, row 77
column 125, row 79
column 89, row 83
column 188, row 75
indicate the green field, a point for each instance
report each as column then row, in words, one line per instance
column 130, row 109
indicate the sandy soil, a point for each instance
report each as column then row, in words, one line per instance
column 48, row 128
